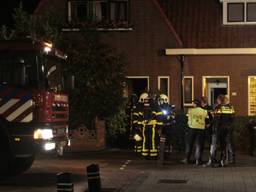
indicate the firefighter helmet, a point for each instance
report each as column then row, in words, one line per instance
column 164, row 98
column 143, row 97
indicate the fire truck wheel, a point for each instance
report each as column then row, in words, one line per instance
column 20, row 165
column 4, row 155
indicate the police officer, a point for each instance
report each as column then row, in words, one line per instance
column 137, row 125
column 196, row 121
column 168, row 118
column 223, row 120
column 150, row 125
column 210, row 133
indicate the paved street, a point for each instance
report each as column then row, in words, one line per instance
column 123, row 171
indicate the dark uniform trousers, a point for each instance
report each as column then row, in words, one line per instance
column 137, row 128
column 150, row 139
column 223, row 133
column 198, row 136
column 226, row 142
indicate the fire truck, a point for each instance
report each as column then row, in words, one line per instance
column 34, row 110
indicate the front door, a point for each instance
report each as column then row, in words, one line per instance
column 215, row 86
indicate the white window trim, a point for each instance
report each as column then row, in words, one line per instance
column 193, row 92
column 139, row 77
column 249, row 95
column 168, row 84
column 213, row 77
column 69, row 12
column 225, row 12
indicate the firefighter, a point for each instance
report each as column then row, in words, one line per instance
column 137, row 125
column 223, row 120
column 168, row 119
column 129, row 110
column 196, row 122
column 150, row 125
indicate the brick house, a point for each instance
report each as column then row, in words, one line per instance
column 185, row 48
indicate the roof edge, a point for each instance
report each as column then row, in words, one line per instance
column 168, row 22
column 211, row 51
column 39, row 6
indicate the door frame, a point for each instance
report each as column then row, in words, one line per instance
column 204, row 78
column 139, row 77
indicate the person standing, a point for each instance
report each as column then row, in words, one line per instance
column 168, row 119
column 137, row 124
column 196, row 122
column 151, row 122
column 210, row 133
column 223, row 120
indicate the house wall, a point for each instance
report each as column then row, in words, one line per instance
column 144, row 46
column 238, row 68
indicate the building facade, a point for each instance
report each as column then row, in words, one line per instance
column 185, row 48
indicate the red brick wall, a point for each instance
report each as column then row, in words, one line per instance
column 237, row 67
column 144, row 46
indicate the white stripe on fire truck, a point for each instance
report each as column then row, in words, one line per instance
column 8, row 105
column 20, row 110
column 28, row 118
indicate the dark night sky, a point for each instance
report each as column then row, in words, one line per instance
column 8, row 6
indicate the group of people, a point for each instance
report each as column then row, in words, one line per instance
column 214, row 122
column 152, row 117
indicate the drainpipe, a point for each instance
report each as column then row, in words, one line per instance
column 181, row 59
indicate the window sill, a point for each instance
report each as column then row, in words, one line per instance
column 120, row 29
column 188, row 104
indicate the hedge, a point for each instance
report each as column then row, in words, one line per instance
column 242, row 132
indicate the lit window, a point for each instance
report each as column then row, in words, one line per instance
column 239, row 12
column 252, row 95
column 188, row 84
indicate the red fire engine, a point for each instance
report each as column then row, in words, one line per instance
column 33, row 108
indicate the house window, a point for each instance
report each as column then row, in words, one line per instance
column 163, row 85
column 251, row 12
column 237, row 12
column 136, row 85
column 99, row 11
column 118, row 11
column 252, row 95
column 188, row 86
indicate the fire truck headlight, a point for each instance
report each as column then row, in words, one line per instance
column 49, row 146
column 44, row 134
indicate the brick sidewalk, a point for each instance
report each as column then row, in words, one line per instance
column 239, row 178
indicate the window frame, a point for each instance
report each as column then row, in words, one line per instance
column 225, row 12
column 139, row 77
column 193, row 90
column 168, row 84
column 204, row 79
column 90, row 12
